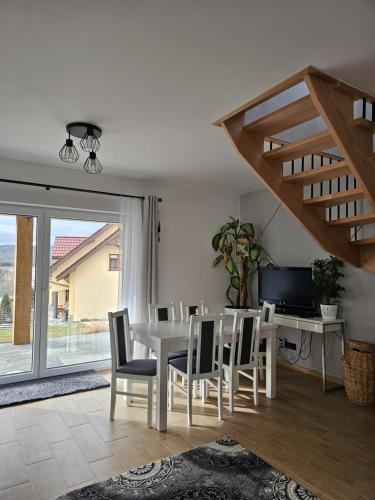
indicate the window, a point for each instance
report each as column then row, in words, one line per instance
column 114, row 262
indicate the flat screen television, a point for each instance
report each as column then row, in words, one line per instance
column 290, row 288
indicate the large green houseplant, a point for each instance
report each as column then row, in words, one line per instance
column 327, row 274
column 241, row 254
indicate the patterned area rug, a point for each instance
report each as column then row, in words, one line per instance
column 222, row 470
column 50, row 387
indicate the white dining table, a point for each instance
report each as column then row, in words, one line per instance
column 170, row 336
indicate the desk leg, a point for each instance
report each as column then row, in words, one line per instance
column 324, row 361
column 271, row 365
column 342, row 339
column 162, row 385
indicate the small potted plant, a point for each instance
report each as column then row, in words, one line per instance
column 239, row 250
column 327, row 274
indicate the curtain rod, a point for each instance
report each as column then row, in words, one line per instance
column 47, row 187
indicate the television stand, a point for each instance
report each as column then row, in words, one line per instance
column 315, row 325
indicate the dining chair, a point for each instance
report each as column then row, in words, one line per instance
column 162, row 312
column 243, row 353
column 201, row 366
column 188, row 310
column 267, row 315
column 126, row 368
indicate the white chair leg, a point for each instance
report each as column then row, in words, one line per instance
column 231, row 393
column 194, row 389
column 255, row 385
column 150, row 402
column 113, row 399
column 189, row 402
column 170, row 388
column 203, row 390
column 220, row 397
column 126, row 389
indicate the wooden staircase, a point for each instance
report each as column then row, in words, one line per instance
column 326, row 191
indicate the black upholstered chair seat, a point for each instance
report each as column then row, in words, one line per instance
column 139, row 367
column 182, row 363
column 177, row 354
column 180, row 354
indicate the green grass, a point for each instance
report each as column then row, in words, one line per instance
column 60, row 330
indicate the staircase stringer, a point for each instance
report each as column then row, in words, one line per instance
column 355, row 143
column 250, row 147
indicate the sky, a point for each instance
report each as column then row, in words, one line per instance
column 59, row 227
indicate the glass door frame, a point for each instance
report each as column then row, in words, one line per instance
column 64, row 213
column 17, row 209
column 42, row 266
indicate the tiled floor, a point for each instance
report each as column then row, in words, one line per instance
column 62, row 351
column 320, row 440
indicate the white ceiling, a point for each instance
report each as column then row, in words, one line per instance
column 154, row 74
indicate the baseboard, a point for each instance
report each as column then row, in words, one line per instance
column 308, row 371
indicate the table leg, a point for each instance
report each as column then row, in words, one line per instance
column 342, row 339
column 162, row 384
column 271, row 365
column 324, row 361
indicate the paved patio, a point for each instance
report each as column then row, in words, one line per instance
column 61, row 351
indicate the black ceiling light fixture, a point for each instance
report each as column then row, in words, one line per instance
column 89, row 139
column 68, row 152
column 92, row 165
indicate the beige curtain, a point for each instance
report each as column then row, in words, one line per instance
column 150, row 265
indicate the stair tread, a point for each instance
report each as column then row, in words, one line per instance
column 284, row 118
column 311, row 144
column 324, row 173
column 365, row 241
column 333, row 199
column 354, row 220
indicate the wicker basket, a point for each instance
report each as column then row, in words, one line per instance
column 359, row 345
column 358, row 366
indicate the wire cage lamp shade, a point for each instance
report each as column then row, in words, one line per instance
column 89, row 141
column 92, row 165
column 68, row 152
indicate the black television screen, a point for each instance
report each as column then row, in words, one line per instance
column 287, row 287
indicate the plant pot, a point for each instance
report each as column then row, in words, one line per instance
column 329, row 312
column 232, row 310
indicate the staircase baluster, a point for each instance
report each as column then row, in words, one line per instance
column 330, row 191
column 312, row 185
column 364, row 102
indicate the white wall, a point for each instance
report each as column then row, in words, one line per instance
column 290, row 245
column 189, row 218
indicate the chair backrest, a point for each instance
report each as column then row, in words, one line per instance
column 246, row 335
column 161, row 312
column 119, row 330
column 268, row 312
column 208, row 333
column 191, row 310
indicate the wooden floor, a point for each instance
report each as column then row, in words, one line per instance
column 320, row 440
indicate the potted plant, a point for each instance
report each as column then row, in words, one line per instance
column 238, row 249
column 327, row 274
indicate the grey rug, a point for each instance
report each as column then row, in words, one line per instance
column 50, row 387
column 222, row 470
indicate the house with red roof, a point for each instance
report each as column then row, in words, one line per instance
column 85, row 275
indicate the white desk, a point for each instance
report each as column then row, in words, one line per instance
column 170, row 336
column 315, row 325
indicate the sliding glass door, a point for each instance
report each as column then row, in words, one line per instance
column 20, row 292
column 60, row 274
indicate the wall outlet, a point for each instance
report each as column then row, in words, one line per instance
column 281, row 342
